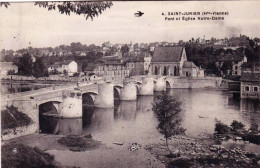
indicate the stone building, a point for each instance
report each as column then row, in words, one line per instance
column 168, row 61
column 115, row 68
column 189, row 69
column 70, row 66
column 139, row 64
column 250, row 85
column 231, row 64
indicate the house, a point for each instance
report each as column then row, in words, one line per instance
column 250, row 85
column 231, row 64
column 115, row 68
column 111, row 68
column 135, row 66
column 83, row 54
column 138, row 64
column 68, row 66
column 189, row 69
column 96, row 69
column 168, row 61
column 7, row 68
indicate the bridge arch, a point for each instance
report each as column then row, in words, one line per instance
column 88, row 98
column 116, row 93
column 51, row 107
column 168, row 84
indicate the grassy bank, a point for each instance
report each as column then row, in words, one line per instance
column 20, row 156
column 12, row 118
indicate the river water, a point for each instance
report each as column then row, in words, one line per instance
column 9, row 88
column 134, row 121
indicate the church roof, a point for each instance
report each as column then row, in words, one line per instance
column 167, row 54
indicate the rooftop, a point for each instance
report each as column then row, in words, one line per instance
column 91, row 67
column 167, row 54
column 189, row 64
column 64, row 62
column 250, row 77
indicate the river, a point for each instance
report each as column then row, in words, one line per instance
column 9, row 88
column 134, row 121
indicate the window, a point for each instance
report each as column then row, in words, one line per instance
column 236, row 67
column 255, row 89
column 246, row 88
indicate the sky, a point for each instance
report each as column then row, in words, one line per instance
column 23, row 24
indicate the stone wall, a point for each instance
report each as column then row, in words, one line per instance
column 194, row 82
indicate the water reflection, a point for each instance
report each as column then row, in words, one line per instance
column 61, row 126
column 8, row 88
column 135, row 120
column 126, row 110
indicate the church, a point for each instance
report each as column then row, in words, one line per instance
column 172, row 61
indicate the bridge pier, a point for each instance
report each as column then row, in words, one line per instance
column 129, row 91
column 146, row 87
column 160, row 84
column 105, row 97
column 71, row 106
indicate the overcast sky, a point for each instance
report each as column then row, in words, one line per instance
column 23, row 24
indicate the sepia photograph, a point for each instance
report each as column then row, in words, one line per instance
column 130, row 84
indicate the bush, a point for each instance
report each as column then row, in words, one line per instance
column 79, row 143
column 254, row 127
column 76, row 74
column 235, row 125
column 19, row 156
column 11, row 117
column 221, row 128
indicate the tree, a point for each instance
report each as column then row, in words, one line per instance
column 167, row 110
column 25, row 64
column 88, row 9
column 252, row 52
column 39, row 69
column 227, row 65
column 11, row 72
column 124, row 49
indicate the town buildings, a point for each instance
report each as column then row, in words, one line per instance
column 231, row 64
column 68, row 66
column 139, row 64
column 111, row 68
column 191, row 70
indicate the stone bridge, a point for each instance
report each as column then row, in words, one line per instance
column 66, row 101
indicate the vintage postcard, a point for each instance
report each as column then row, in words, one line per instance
column 130, row 84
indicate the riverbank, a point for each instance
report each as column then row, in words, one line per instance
column 106, row 155
column 191, row 152
column 195, row 153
